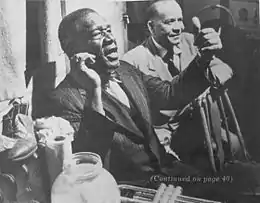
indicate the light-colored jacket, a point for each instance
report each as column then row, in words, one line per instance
column 147, row 58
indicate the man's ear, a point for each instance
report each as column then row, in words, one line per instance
column 150, row 26
column 66, row 45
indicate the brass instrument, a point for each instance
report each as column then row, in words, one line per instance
column 169, row 194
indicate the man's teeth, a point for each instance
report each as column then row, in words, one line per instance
column 112, row 55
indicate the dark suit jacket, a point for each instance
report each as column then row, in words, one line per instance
column 128, row 153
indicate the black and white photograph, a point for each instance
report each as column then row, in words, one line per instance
column 129, row 101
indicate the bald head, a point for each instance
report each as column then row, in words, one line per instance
column 157, row 7
column 165, row 22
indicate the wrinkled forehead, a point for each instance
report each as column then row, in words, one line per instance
column 90, row 22
column 168, row 9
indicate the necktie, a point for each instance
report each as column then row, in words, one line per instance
column 172, row 58
column 116, row 91
column 176, row 57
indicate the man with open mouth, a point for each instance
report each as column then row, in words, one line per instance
column 108, row 102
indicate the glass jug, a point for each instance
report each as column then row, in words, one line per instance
column 85, row 180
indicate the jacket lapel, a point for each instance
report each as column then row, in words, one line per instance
column 187, row 55
column 134, row 92
column 134, row 89
column 113, row 110
column 119, row 114
column 157, row 64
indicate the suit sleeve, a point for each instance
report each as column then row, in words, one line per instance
column 220, row 71
column 93, row 131
column 177, row 93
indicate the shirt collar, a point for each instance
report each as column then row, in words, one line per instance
column 114, row 78
column 162, row 51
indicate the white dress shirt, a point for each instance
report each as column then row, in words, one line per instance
column 114, row 89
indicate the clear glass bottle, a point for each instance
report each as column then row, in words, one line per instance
column 85, row 180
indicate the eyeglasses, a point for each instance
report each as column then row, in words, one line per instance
column 99, row 33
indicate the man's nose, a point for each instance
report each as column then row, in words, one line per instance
column 178, row 27
column 108, row 36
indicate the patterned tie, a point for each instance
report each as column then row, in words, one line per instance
column 176, row 57
column 116, row 91
column 172, row 58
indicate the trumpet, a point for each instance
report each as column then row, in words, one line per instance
column 170, row 194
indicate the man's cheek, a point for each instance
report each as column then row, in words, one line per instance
column 163, row 32
column 165, row 29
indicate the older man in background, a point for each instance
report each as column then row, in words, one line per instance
column 166, row 53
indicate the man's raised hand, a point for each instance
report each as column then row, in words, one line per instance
column 81, row 63
column 206, row 39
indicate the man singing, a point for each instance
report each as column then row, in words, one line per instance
column 109, row 102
